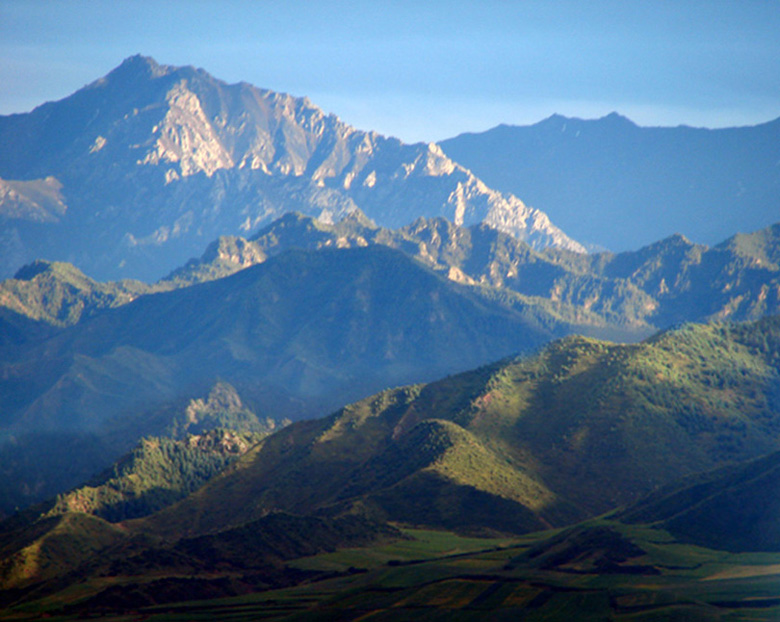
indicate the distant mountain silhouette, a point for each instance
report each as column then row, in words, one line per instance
column 612, row 183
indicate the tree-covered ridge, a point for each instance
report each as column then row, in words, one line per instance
column 298, row 335
column 40, row 464
column 58, row 293
column 155, row 474
column 578, row 429
column 524, row 444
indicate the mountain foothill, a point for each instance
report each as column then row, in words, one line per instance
column 245, row 347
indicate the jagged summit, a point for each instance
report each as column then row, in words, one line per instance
column 140, row 64
column 358, row 217
column 156, row 161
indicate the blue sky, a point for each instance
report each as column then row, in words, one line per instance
column 423, row 70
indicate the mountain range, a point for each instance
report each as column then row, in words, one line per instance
column 298, row 336
column 523, row 444
column 670, row 281
column 306, row 316
column 384, row 389
column 580, row 428
column 135, row 173
column 613, row 184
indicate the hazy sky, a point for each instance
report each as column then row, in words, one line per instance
column 423, row 70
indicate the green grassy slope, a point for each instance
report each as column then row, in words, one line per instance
column 300, row 334
column 516, row 446
column 50, row 548
column 580, row 428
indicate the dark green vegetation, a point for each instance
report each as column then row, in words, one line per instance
column 298, row 335
column 154, row 475
column 115, row 568
column 331, row 337
column 595, row 571
column 577, row 430
column 521, row 445
column 303, row 317
column 610, row 182
column 39, row 465
column 306, row 332
column 60, row 294
column 735, row 508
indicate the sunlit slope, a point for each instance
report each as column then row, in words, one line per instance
column 580, row 428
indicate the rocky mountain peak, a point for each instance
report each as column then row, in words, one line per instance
column 157, row 161
column 358, row 217
column 139, row 65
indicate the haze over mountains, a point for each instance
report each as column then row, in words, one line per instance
column 611, row 183
column 307, row 316
column 580, row 428
column 621, row 295
column 135, row 173
column 340, row 340
column 298, row 335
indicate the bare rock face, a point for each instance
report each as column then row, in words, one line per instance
column 140, row 170
column 37, row 200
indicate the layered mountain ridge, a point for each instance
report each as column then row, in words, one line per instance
column 580, row 428
column 151, row 162
column 631, row 293
column 306, row 316
column 298, row 335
